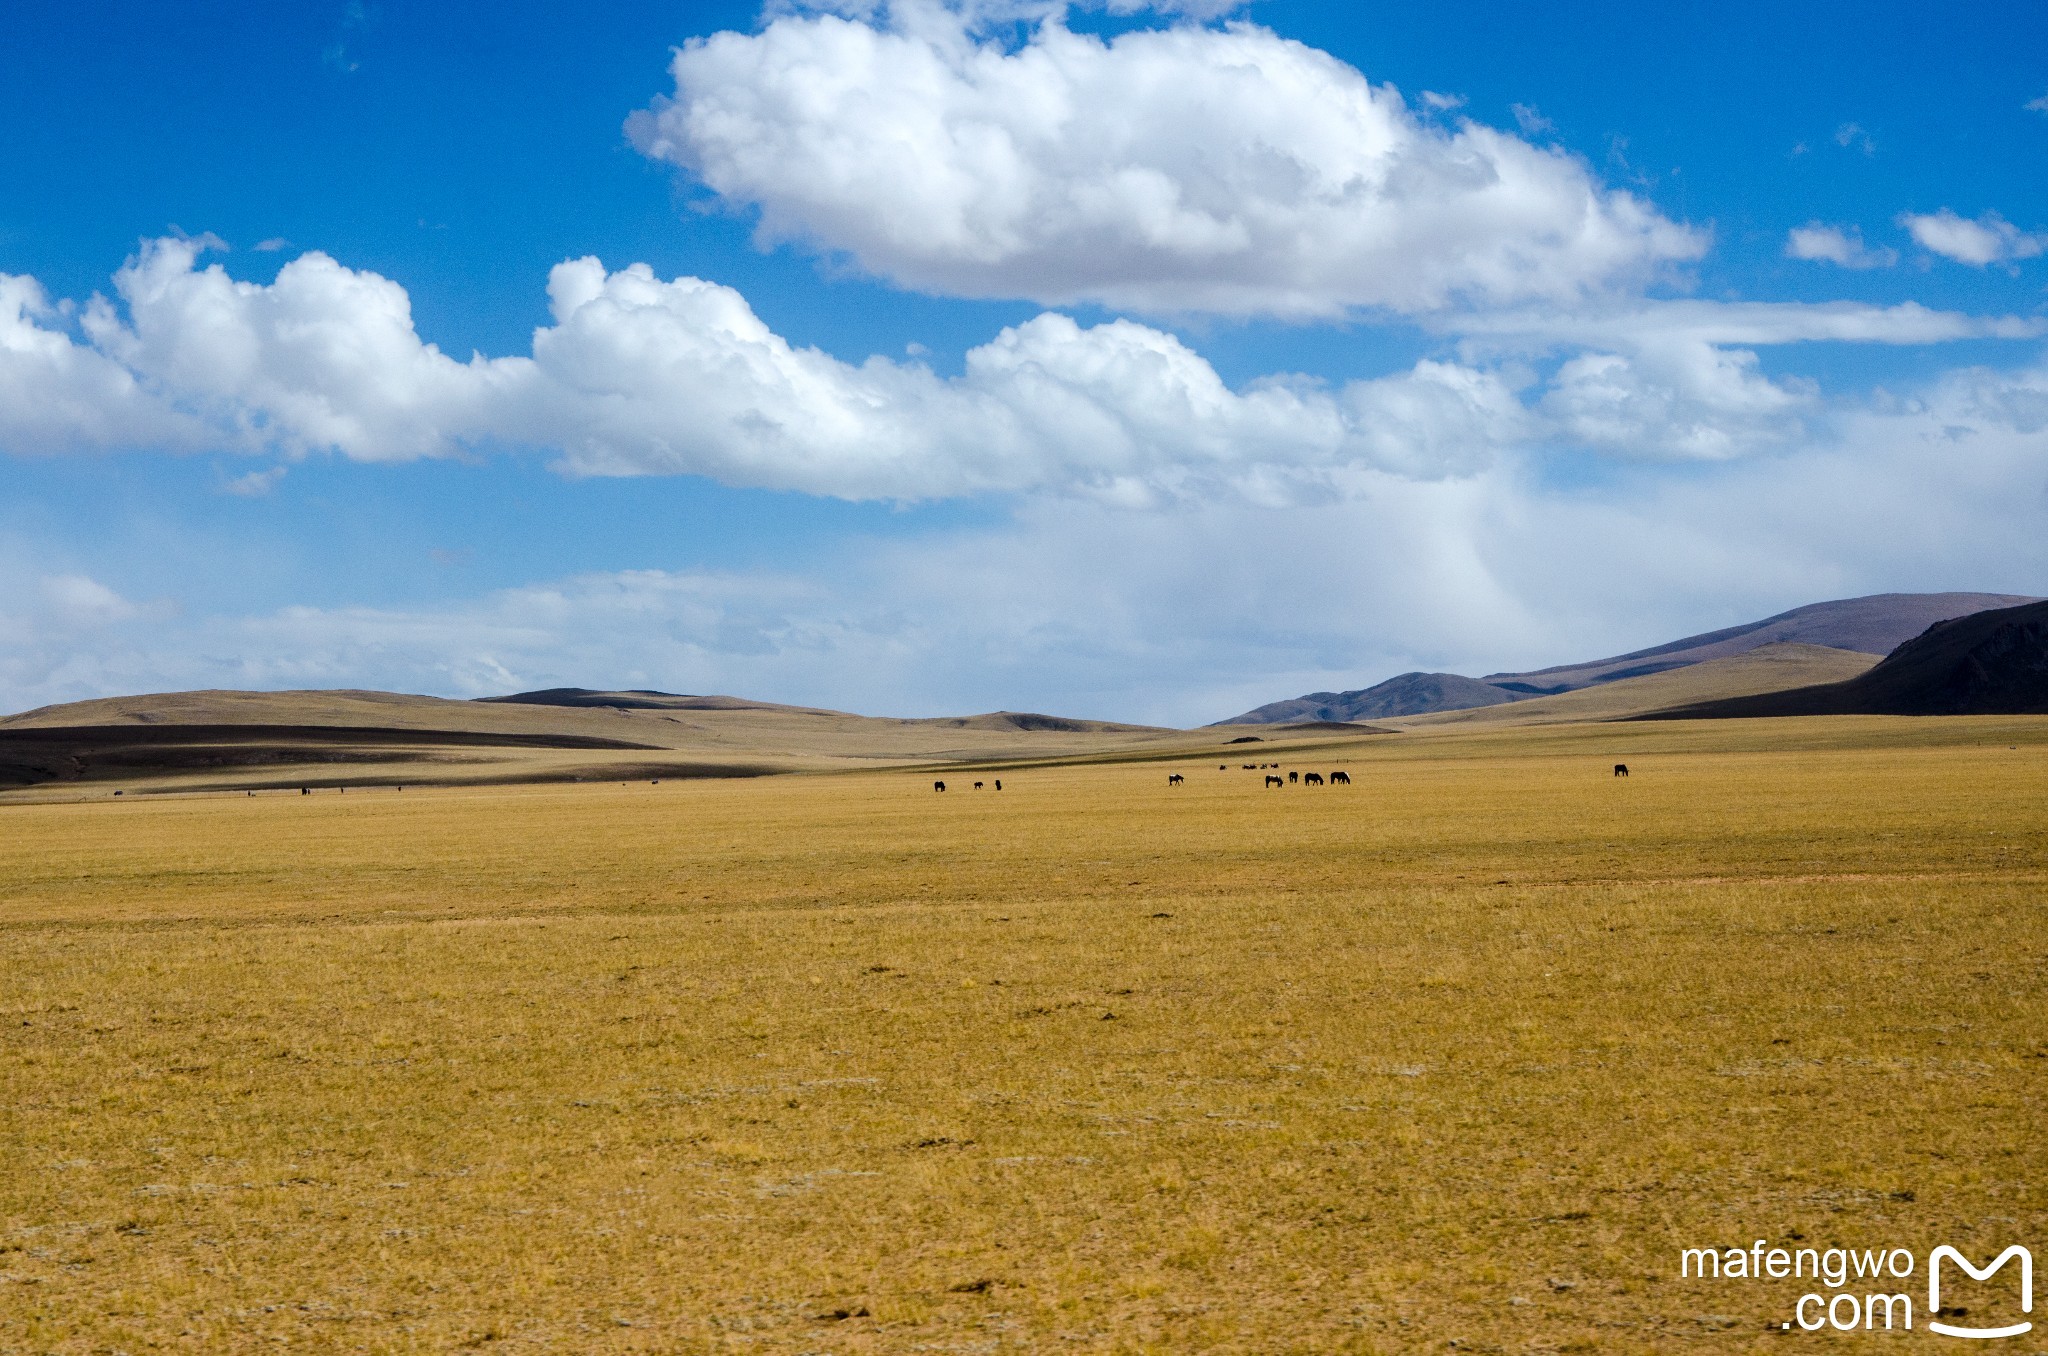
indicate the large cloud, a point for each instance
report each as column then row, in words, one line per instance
column 1175, row 170
column 1179, row 615
column 644, row 376
column 639, row 375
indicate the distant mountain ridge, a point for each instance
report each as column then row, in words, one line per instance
column 645, row 699
column 1768, row 668
column 1985, row 664
column 1407, row 695
column 1875, row 624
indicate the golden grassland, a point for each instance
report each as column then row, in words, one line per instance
column 1465, row 1052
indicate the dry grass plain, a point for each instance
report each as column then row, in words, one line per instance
column 1463, row 1053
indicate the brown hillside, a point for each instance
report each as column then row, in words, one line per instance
column 1988, row 664
column 1772, row 668
column 221, row 740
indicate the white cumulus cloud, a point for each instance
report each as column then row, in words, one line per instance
column 324, row 358
column 1832, row 244
column 1987, row 239
column 58, row 395
column 1678, row 401
column 641, row 375
column 1167, row 170
column 645, row 376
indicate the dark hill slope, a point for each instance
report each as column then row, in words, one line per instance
column 1987, row 664
column 640, row 699
column 1875, row 624
column 1031, row 721
column 33, row 754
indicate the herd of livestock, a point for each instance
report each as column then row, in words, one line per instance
column 1338, row 778
column 1273, row 777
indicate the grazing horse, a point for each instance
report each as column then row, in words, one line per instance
column 1274, row 781
column 938, row 786
column 1312, row 779
column 1174, row 779
column 1294, row 776
column 999, row 783
column 1621, row 769
column 1340, row 779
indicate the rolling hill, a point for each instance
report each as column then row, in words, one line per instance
column 1987, row 664
column 1972, row 660
column 218, row 740
column 1405, row 695
column 1769, row 668
column 1872, row 625
column 583, row 698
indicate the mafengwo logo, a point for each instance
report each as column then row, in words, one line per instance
column 1864, row 1291
column 1944, row 1252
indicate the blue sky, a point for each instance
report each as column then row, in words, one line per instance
column 1147, row 364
